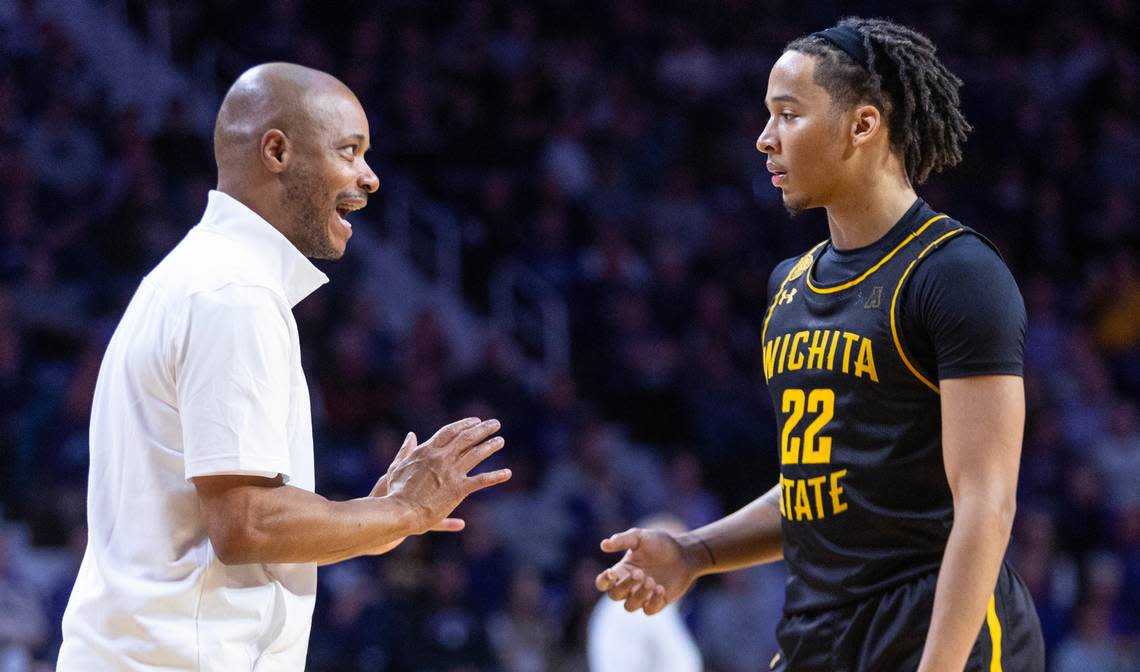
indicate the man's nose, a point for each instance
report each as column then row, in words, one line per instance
column 368, row 180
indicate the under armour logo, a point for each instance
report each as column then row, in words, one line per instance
column 786, row 296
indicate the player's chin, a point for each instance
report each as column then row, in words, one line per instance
column 795, row 204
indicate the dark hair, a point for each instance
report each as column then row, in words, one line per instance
column 904, row 78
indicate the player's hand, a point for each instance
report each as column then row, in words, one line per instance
column 655, row 571
column 431, row 479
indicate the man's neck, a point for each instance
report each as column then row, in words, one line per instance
column 254, row 199
column 869, row 213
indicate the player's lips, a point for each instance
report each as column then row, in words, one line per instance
column 778, row 173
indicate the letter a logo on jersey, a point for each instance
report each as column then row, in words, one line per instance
column 876, row 298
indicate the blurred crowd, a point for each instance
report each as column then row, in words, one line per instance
column 609, row 147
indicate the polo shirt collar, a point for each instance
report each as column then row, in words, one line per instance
column 263, row 245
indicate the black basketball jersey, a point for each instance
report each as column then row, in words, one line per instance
column 865, row 503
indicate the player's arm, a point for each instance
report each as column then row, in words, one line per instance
column 746, row 537
column 658, row 567
column 252, row 519
column 982, row 420
column 969, row 305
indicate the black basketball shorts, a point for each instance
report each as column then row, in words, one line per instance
column 886, row 633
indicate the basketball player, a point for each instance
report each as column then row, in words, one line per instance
column 893, row 353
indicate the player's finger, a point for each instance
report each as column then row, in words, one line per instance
column 622, row 541
column 487, row 479
column 611, row 577
column 620, row 592
column 636, row 599
column 476, row 434
column 614, row 576
column 640, row 595
column 449, row 525
column 619, row 573
column 657, row 602
column 627, row 582
column 473, row 457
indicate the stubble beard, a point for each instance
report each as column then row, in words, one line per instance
column 794, row 209
column 310, row 217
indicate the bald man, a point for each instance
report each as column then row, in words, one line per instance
column 205, row 533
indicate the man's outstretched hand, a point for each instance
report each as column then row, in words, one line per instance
column 656, row 571
column 433, row 478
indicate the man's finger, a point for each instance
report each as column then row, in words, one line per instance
column 448, row 432
column 622, row 541
column 473, row 457
column 408, row 446
column 603, row 581
column 449, row 525
column 487, row 479
column 476, row 434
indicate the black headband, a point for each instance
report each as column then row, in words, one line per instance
column 848, row 40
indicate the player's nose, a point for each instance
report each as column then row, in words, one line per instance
column 767, row 142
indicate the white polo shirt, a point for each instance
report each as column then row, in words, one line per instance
column 202, row 376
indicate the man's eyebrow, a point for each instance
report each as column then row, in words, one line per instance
column 784, row 98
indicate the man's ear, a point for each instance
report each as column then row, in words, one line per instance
column 276, row 150
column 866, row 124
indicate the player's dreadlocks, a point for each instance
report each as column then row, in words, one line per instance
column 905, row 79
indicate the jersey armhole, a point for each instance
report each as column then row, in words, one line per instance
column 912, row 365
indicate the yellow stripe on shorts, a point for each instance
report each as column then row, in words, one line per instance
column 995, row 635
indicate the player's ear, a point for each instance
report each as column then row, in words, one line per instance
column 866, row 123
column 276, row 150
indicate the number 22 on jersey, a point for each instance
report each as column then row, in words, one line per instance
column 812, row 448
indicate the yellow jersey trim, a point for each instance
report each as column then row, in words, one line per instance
column 776, row 299
column 995, row 635
column 895, row 301
column 869, row 271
